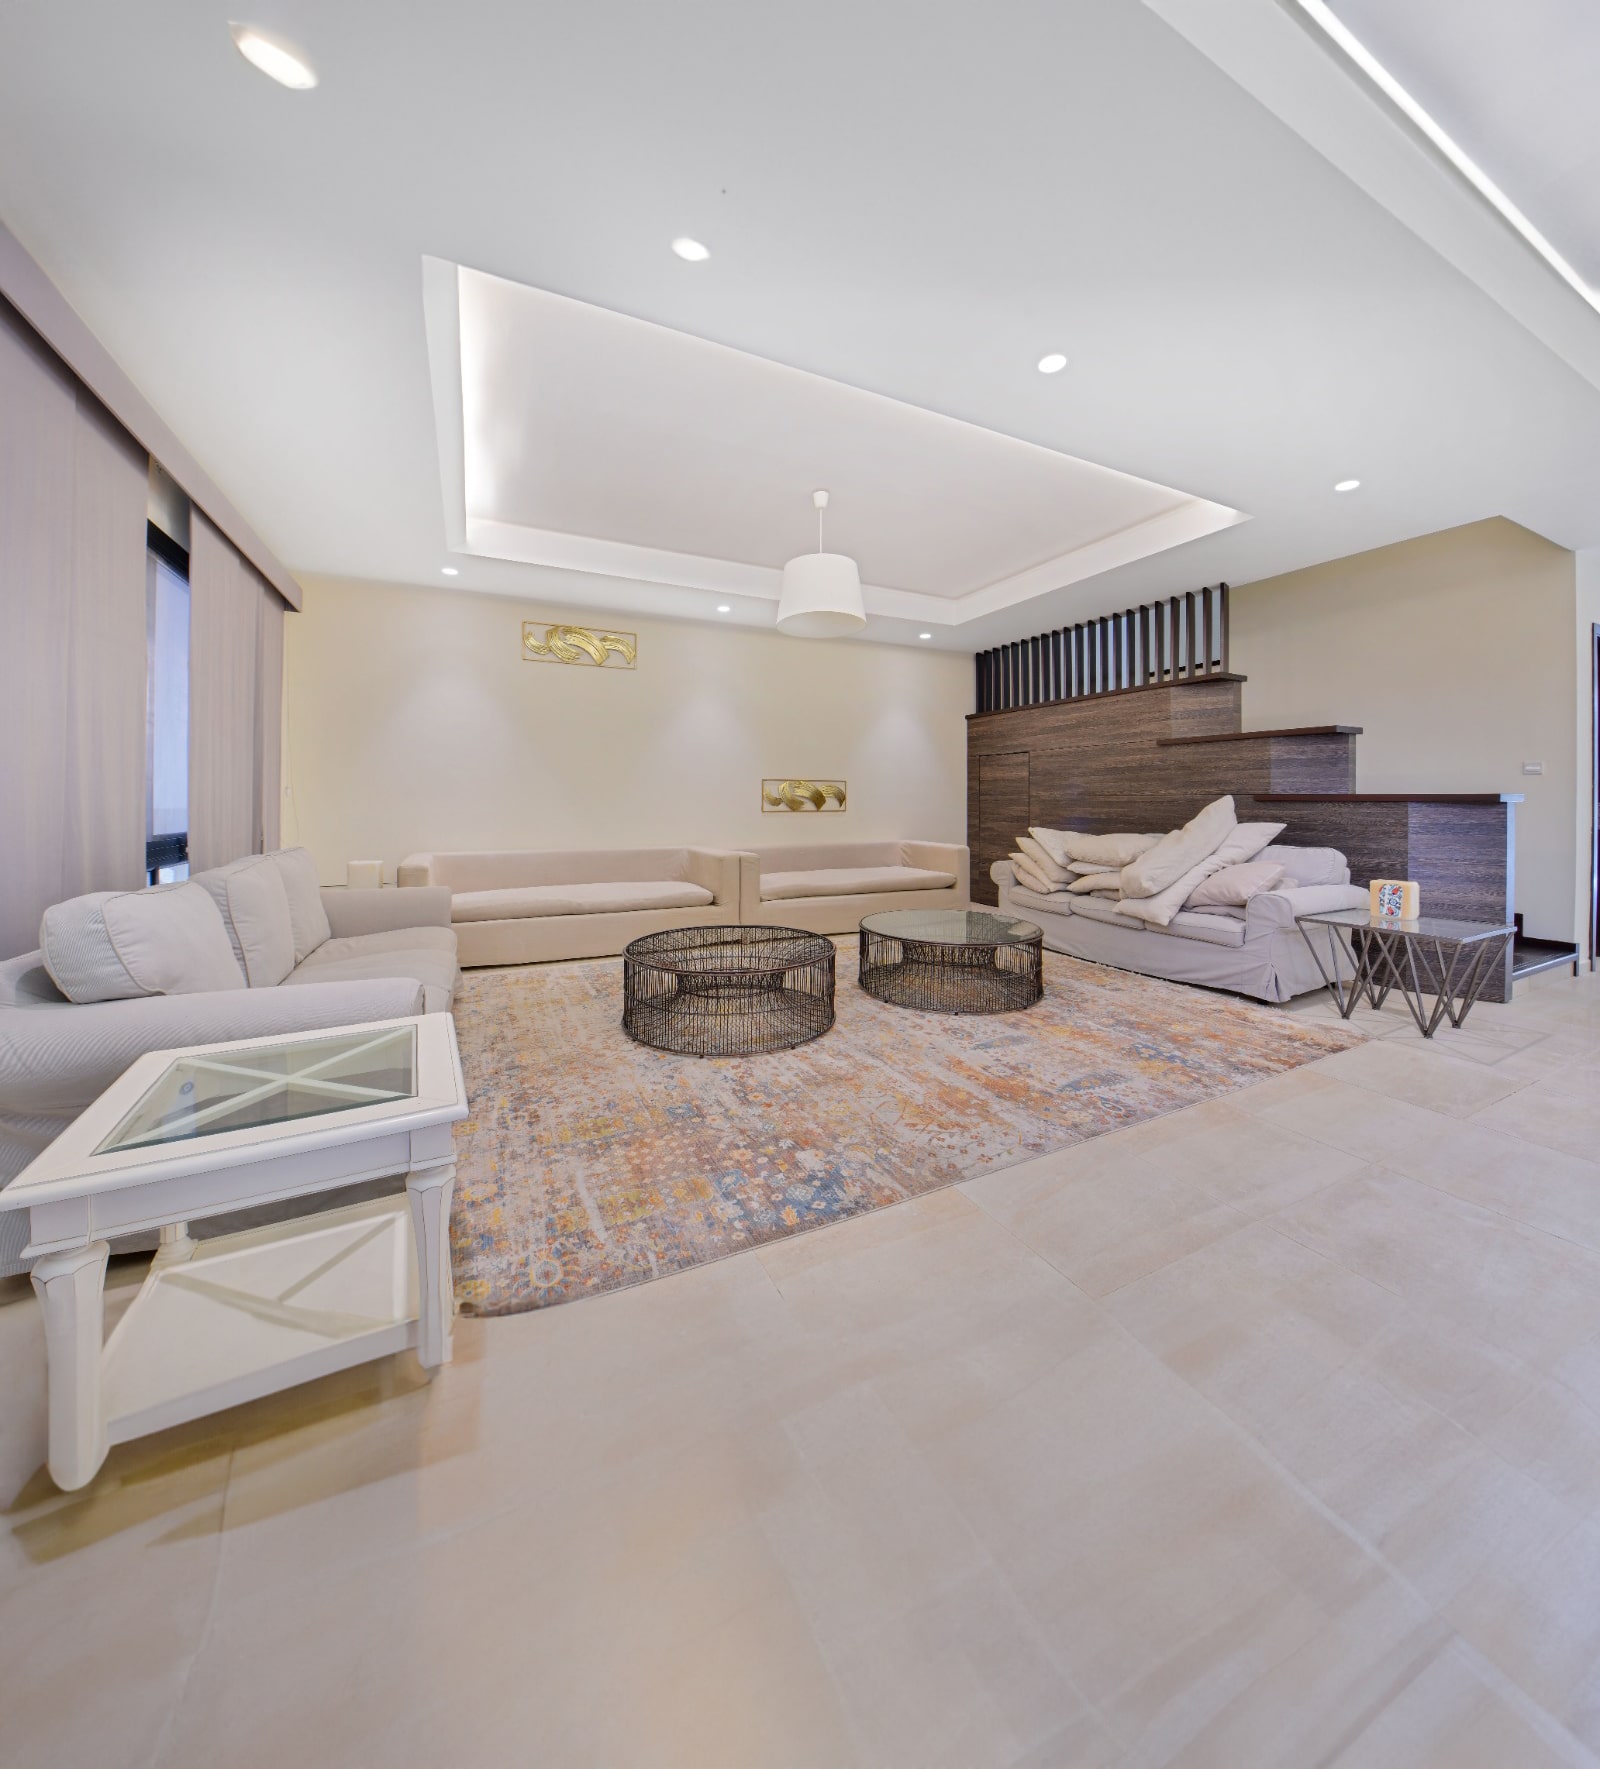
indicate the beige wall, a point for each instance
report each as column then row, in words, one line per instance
column 1455, row 653
column 413, row 723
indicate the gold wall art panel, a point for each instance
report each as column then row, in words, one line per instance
column 803, row 795
column 581, row 645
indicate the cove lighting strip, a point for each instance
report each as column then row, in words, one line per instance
column 1352, row 46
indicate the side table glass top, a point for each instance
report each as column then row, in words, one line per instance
column 271, row 1084
column 1424, row 927
column 951, row 927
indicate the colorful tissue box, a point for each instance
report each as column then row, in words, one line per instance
column 1395, row 899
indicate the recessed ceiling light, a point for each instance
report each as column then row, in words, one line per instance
column 691, row 250
column 276, row 62
column 1052, row 364
column 724, row 608
column 1347, row 485
column 924, row 635
column 449, row 571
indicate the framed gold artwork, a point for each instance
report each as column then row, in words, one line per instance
column 803, row 795
column 580, row 645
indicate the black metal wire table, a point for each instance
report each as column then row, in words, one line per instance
column 1369, row 955
column 727, row 991
column 952, row 960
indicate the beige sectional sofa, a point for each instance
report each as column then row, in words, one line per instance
column 525, row 908
column 828, row 887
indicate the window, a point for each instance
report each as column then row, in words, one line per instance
column 166, row 827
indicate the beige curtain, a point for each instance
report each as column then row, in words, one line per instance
column 73, row 489
column 269, row 715
column 235, row 699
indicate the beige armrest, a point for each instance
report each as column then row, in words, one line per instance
column 415, row 869
column 749, row 887
column 380, row 912
column 941, row 857
column 717, row 870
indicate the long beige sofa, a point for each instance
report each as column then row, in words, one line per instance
column 524, row 908
column 828, row 887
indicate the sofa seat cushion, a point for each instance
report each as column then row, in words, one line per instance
column 1216, row 930
column 851, row 881
column 1105, row 909
column 427, row 955
column 621, row 897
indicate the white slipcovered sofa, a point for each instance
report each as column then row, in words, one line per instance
column 340, row 958
column 827, row 887
column 1256, row 951
column 525, row 908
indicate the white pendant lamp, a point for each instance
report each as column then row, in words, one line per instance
column 821, row 591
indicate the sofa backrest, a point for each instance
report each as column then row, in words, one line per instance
column 508, row 870
column 817, row 856
column 1309, row 866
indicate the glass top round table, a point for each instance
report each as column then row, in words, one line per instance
column 952, row 960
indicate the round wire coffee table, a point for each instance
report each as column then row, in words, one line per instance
column 952, row 960
column 727, row 991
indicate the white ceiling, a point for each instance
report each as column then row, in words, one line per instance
column 916, row 199
column 676, row 458
column 1517, row 87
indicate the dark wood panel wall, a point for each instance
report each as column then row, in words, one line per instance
column 1148, row 758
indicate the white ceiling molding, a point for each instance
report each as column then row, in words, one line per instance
column 1289, row 65
column 524, row 380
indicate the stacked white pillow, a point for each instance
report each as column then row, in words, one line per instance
column 1153, row 877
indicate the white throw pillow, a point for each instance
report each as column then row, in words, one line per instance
column 1095, row 882
column 1066, row 845
column 1030, row 877
column 1160, row 906
column 116, row 945
column 255, row 911
column 307, row 917
column 1246, row 841
column 1041, row 861
column 1310, row 866
column 1180, row 851
column 1235, row 885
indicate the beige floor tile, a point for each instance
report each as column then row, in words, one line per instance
column 1117, row 1223
column 1561, row 1112
column 1368, row 1124
column 1252, row 1164
column 1462, row 1265
column 1437, row 1079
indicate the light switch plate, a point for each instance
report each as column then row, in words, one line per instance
column 1533, row 767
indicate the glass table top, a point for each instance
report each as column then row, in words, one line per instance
column 952, row 927
column 1424, row 927
column 205, row 1095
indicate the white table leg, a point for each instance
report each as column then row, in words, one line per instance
column 430, row 1192
column 71, row 1289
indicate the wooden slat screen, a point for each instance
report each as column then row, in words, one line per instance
column 1184, row 638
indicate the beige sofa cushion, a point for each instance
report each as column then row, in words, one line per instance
column 1234, row 886
column 1033, row 878
column 1216, row 930
column 617, row 897
column 1096, row 881
column 1108, row 910
column 1110, row 851
column 1180, row 851
column 255, row 911
column 308, row 919
column 1159, row 908
column 117, row 945
column 426, row 955
column 1246, row 840
column 1041, row 862
column 851, row 881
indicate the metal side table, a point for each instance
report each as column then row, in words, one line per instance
column 1369, row 955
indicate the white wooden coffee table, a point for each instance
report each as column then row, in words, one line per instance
column 192, row 1133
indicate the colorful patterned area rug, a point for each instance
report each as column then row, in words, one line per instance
column 590, row 1163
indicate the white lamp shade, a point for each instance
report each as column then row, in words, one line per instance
column 821, row 597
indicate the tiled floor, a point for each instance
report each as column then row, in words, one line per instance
column 1266, row 1436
